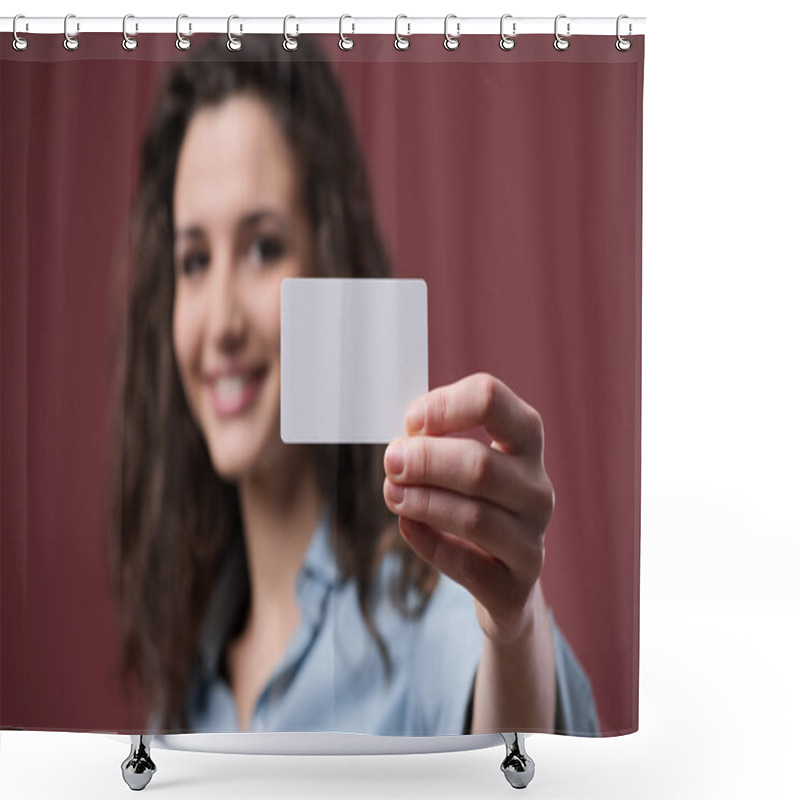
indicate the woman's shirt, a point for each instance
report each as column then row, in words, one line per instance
column 331, row 676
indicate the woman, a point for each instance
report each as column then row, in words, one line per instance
column 263, row 586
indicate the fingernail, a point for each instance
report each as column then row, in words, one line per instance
column 394, row 458
column 415, row 417
column 394, row 493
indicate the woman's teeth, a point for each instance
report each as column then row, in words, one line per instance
column 234, row 394
column 231, row 386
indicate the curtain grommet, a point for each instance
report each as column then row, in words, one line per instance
column 560, row 42
column 129, row 42
column 345, row 42
column 622, row 44
column 451, row 42
column 19, row 43
column 506, row 41
column 401, row 42
column 289, row 42
column 182, row 43
column 70, row 42
column 234, row 44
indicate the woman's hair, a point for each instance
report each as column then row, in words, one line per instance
column 173, row 517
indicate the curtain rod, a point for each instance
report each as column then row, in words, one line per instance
column 348, row 25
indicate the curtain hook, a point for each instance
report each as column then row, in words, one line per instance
column 129, row 42
column 19, row 43
column 345, row 42
column 70, row 42
column 506, row 42
column 182, row 43
column 560, row 42
column 451, row 42
column 234, row 43
column 401, row 42
column 289, row 42
column 623, row 44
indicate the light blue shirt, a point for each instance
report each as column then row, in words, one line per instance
column 331, row 676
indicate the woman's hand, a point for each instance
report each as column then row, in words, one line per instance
column 477, row 513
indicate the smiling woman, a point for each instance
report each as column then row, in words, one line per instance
column 265, row 586
column 240, row 229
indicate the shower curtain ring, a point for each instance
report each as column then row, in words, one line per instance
column 561, row 43
column 19, row 43
column 129, row 42
column 289, row 42
column 70, row 42
column 506, row 42
column 182, row 43
column 401, row 42
column 345, row 42
column 234, row 44
column 623, row 44
column 451, row 42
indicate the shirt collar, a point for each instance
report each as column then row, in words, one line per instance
column 232, row 588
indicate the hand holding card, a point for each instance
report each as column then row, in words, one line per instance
column 476, row 512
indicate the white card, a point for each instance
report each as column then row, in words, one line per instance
column 354, row 355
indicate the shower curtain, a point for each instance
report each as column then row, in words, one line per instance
column 509, row 181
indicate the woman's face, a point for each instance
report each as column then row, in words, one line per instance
column 240, row 228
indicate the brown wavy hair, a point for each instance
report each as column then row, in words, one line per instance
column 173, row 517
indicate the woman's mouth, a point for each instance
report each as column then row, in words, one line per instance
column 234, row 394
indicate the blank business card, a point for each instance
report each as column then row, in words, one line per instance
column 354, row 355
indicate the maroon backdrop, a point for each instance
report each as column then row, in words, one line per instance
column 510, row 181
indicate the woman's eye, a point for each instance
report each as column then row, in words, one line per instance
column 267, row 248
column 193, row 263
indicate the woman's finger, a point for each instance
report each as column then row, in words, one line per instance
column 478, row 400
column 466, row 466
column 501, row 534
column 485, row 578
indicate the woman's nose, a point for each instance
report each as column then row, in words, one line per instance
column 226, row 315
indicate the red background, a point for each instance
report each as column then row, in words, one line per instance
column 510, row 181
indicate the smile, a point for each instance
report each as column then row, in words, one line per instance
column 234, row 394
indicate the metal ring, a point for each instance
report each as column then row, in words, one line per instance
column 19, row 43
column 128, row 42
column 182, row 43
column 289, row 42
column 451, row 42
column 234, row 44
column 345, row 42
column 70, row 42
column 506, row 42
column 401, row 42
column 560, row 43
column 623, row 44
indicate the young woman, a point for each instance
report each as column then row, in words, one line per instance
column 264, row 586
